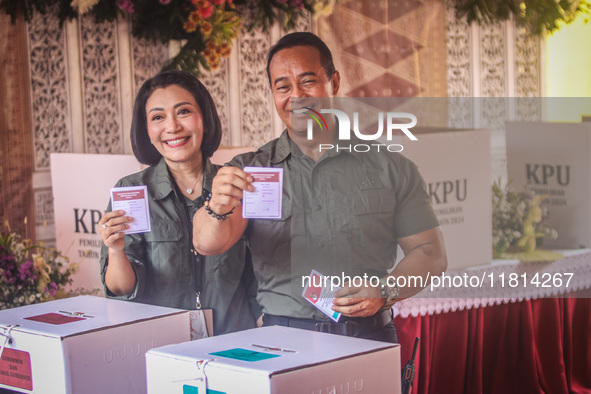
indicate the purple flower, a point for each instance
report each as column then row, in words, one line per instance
column 26, row 273
column 297, row 3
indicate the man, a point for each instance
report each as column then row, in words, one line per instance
column 342, row 211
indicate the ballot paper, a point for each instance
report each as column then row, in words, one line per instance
column 265, row 201
column 134, row 201
column 320, row 292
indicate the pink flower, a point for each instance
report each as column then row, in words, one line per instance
column 126, row 5
column 218, row 2
column 205, row 12
column 164, row 2
column 297, row 3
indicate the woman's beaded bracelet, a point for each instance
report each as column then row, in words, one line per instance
column 212, row 213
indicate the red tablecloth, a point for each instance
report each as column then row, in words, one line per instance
column 532, row 346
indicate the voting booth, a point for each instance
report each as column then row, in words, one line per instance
column 554, row 160
column 84, row 344
column 278, row 360
column 81, row 185
column 455, row 165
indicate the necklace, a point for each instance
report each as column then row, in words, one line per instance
column 189, row 189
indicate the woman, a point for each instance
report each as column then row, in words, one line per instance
column 175, row 129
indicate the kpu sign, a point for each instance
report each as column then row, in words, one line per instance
column 553, row 159
column 81, row 190
column 455, row 165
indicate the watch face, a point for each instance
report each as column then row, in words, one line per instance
column 390, row 293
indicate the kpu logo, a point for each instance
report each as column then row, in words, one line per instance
column 392, row 123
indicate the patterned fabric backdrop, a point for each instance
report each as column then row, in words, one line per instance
column 388, row 48
column 16, row 158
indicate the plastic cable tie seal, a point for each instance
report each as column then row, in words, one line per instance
column 7, row 338
column 201, row 364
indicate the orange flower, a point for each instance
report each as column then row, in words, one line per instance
column 190, row 27
column 195, row 18
column 225, row 49
column 214, row 65
column 206, row 28
column 213, row 61
column 213, row 57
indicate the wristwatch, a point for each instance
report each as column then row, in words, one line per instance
column 390, row 293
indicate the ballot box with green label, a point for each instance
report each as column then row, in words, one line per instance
column 84, row 344
column 275, row 360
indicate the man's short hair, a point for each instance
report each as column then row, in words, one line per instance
column 143, row 149
column 303, row 39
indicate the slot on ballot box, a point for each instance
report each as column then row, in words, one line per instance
column 84, row 344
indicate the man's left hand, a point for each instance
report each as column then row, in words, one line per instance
column 358, row 301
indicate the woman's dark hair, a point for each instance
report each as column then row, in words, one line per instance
column 143, row 149
column 303, row 39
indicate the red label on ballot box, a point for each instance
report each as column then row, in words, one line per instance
column 15, row 369
column 54, row 318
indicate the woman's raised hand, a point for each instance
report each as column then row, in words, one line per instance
column 111, row 226
column 227, row 188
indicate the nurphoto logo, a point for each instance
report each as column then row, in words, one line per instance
column 394, row 121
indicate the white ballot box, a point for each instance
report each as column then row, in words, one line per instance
column 84, row 344
column 456, row 166
column 554, row 160
column 275, row 360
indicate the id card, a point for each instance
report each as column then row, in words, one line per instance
column 134, row 201
column 321, row 296
column 266, row 200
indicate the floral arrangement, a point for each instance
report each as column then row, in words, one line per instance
column 519, row 224
column 31, row 274
column 205, row 28
column 538, row 16
column 218, row 25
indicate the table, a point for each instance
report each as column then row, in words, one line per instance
column 491, row 339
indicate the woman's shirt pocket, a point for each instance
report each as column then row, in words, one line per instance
column 166, row 250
